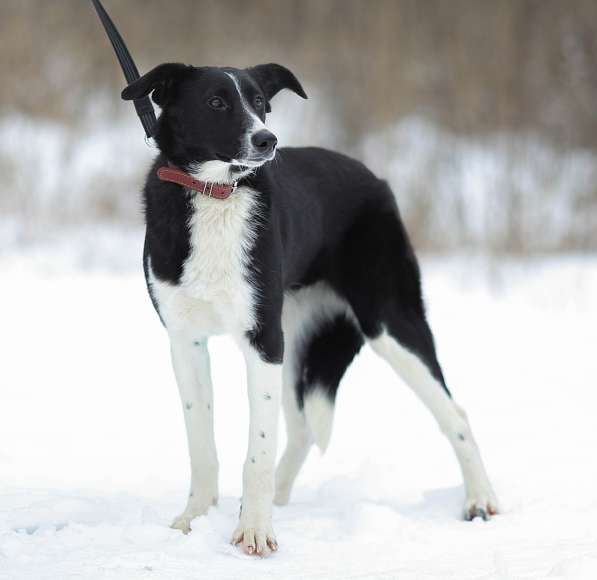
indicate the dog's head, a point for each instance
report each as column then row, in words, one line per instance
column 213, row 119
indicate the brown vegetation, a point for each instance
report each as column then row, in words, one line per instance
column 474, row 67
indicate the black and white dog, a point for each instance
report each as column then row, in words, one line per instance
column 301, row 260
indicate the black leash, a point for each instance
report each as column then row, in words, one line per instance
column 143, row 106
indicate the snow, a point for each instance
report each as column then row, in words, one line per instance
column 503, row 190
column 93, row 460
column 499, row 190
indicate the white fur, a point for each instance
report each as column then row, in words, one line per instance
column 304, row 311
column 264, row 383
column 451, row 419
column 190, row 361
column 319, row 412
column 255, row 125
column 214, row 295
column 214, row 172
column 298, row 435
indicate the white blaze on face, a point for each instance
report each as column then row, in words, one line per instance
column 255, row 124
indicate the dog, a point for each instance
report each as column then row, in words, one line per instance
column 300, row 255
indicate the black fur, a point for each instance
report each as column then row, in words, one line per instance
column 167, row 215
column 326, row 356
column 324, row 218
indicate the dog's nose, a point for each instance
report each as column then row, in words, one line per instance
column 264, row 142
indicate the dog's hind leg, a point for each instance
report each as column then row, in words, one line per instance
column 190, row 359
column 297, row 434
column 422, row 374
column 379, row 275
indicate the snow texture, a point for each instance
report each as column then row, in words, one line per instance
column 503, row 191
column 93, row 459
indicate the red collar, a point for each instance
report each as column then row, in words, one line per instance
column 210, row 189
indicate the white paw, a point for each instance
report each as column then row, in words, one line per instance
column 481, row 506
column 193, row 510
column 254, row 538
column 183, row 522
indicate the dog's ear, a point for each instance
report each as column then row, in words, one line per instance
column 272, row 78
column 158, row 81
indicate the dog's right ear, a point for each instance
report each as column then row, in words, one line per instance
column 158, row 81
column 272, row 78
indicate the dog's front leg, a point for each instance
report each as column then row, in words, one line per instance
column 264, row 381
column 190, row 359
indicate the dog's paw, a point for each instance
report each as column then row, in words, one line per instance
column 192, row 511
column 483, row 507
column 257, row 540
column 183, row 523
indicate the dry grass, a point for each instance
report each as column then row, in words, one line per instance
column 474, row 67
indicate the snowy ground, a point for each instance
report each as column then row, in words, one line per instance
column 93, row 460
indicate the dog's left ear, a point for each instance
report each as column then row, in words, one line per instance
column 272, row 78
column 159, row 81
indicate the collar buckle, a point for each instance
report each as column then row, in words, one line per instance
column 207, row 188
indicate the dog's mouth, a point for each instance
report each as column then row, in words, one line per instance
column 240, row 165
column 251, row 162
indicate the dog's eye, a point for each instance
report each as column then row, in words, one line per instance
column 217, row 103
column 258, row 102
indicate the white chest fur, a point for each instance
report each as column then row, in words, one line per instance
column 214, row 294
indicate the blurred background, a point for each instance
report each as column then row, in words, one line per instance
column 481, row 114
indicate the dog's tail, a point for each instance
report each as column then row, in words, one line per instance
column 319, row 414
column 329, row 351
